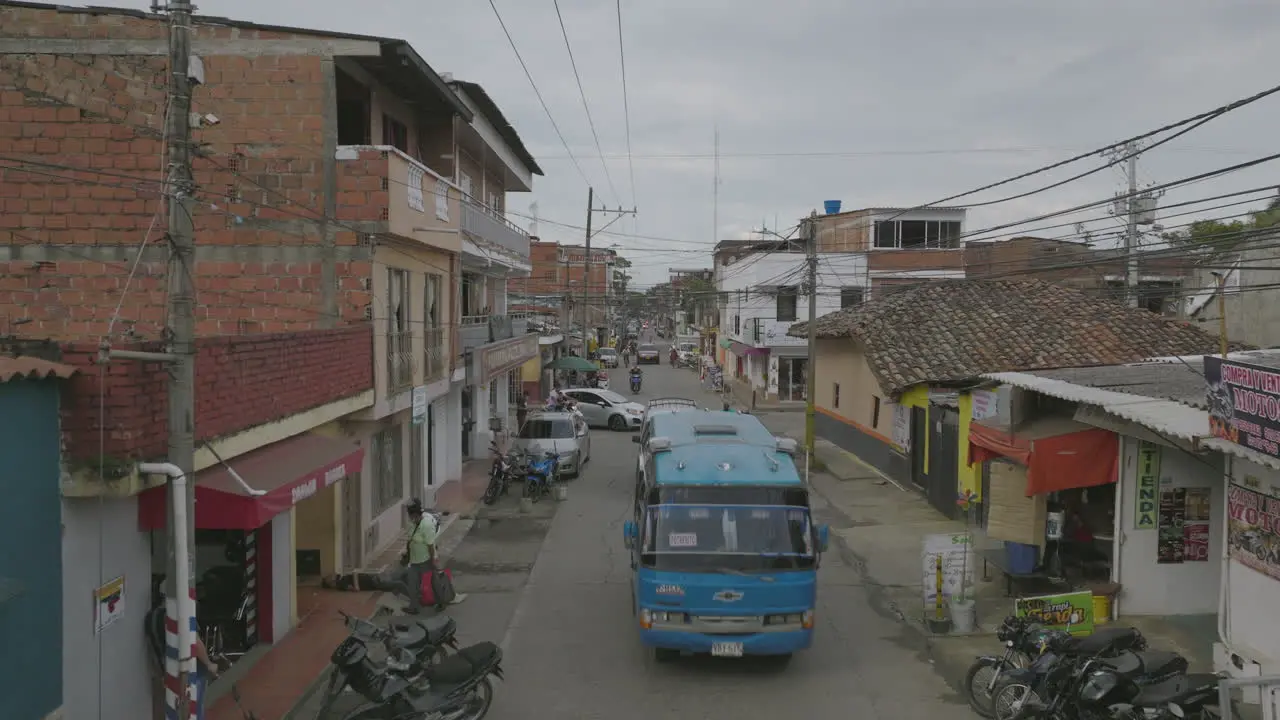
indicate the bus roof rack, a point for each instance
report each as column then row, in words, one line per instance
column 672, row 402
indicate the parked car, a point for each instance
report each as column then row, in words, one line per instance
column 608, row 357
column 605, row 408
column 649, row 354
column 560, row 432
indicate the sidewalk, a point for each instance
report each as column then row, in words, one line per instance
column 282, row 682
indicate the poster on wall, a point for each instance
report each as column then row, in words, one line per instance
column 1253, row 538
column 108, row 601
column 902, row 427
column 1195, row 526
column 1170, row 538
column 772, row 386
column 956, row 551
column 1242, row 402
column 985, row 404
column 1144, row 506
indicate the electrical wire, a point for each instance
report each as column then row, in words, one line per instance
column 586, row 107
column 626, row 104
column 511, row 41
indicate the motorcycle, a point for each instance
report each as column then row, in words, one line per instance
column 1091, row 688
column 635, row 382
column 1023, row 639
column 456, row 688
column 539, row 474
column 410, row 645
column 499, row 473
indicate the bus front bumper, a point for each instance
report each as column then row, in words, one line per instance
column 764, row 643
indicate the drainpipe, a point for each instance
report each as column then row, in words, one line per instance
column 184, row 611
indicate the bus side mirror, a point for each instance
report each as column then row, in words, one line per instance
column 629, row 533
column 824, row 537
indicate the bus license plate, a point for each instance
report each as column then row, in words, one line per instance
column 726, row 649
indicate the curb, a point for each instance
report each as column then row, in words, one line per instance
column 445, row 548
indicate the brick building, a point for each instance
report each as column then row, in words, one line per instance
column 349, row 232
column 556, row 282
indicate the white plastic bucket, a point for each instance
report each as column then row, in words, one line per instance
column 562, row 492
column 963, row 616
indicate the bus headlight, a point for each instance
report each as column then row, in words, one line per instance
column 649, row 618
column 804, row 619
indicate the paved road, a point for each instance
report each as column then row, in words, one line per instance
column 554, row 589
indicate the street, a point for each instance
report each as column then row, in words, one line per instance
column 552, row 587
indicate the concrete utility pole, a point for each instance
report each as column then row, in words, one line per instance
column 1131, row 230
column 586, row 260
column 182, row 300
column 811, row 257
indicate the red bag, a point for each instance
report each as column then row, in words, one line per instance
column 437, row 584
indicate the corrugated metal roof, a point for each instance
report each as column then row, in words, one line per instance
column 12, row 368
column 1241, row 451
column 1165, row 417
column 1180, row 380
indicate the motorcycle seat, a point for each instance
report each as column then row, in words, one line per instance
column 429, row 631
column 1174, row 689
column 464, row 665
column 1105, row 639
column 1147, row 662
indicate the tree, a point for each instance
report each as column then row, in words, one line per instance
column 1217, row 237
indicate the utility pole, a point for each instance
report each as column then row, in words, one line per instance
column 1131, row 229
column 586, row 260
column 182, row 300
column 811, row 258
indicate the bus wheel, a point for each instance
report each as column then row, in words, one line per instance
column 665, row 655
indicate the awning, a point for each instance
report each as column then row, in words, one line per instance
column 1059, row 454
column 742, row 349
column 290, row 471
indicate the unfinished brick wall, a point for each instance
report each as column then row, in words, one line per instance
column 76, row 230
column 242, row 382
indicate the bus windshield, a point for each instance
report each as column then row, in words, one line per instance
column 727, row 538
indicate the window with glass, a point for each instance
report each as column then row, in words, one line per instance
column 734, row 538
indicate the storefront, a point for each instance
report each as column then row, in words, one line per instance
column 788, row 378
column 249, row 511
column 490, row 375
column 1242, row 419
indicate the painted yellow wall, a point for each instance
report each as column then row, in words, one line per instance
column 317, row 527
column 968, row 477
column 530, row 371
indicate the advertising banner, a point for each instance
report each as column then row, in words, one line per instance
column 1071, row 611
column 1244, row 403
column 1252, row 533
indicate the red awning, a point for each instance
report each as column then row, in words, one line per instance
column 742, row 349
column 290, row 471
column 1059, row 454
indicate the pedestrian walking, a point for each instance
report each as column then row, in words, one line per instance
column 522, row 409
column 419, row 558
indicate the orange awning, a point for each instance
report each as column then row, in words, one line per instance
column 1059, row 454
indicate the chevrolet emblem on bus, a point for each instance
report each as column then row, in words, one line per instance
column 728, row 596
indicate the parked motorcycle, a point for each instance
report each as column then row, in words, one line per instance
column 499, row 474
column 1091, row 688
column 456, row 688
column 539, row 474
column 1023, row 640
column 410, row 645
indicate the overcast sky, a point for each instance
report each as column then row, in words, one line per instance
column 872, row 102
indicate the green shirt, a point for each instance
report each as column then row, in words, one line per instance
column 420, row 542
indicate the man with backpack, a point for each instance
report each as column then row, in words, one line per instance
column 419, row 561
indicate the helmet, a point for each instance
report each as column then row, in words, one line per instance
column 414, row 506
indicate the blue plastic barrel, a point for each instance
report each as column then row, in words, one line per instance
column 831, row 206
column 1022, row 558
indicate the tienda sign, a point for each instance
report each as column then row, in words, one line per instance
column 1244, row 403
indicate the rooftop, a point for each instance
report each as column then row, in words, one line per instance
column 499, row 121
column 952, row 331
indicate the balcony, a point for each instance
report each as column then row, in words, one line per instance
column 480, row 330
column 435, row 355
column 753, row 333
column 386, row 191
column 487, row 225
column 400, row 362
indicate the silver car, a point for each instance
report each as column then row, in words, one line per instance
column 560, row 432
column 605, row 408
column 608, row 357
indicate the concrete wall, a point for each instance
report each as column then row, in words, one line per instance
column 1252, row 297
column 1173, row 589
column 107, row 673
column 284, row 609
column 849, row 424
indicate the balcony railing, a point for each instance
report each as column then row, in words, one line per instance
column 400, row 361
column 755, row 331
column 395, row 193
column 488, row 225
column 435, row 354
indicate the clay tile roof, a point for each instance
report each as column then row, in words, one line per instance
column 956, row 330
column 12, row 368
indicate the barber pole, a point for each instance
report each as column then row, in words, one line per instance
column 175, row 662
column 251, row 588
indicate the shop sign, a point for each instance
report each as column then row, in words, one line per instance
column 1071, row 611
column 334, row 474
column 303, row 491
column 1146, row 504
column 1253, row 529
column 945, row 398
column 1244, row 404
column 985, row 404
column 500, row 357
column 108, row 602
column 419, row 404
column 955, row 552
column 1183, row 534
column 775, row 334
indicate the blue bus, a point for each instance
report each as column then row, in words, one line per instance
column 724, row 551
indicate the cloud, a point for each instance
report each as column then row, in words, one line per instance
column 809, row 77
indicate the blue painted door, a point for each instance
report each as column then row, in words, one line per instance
column 30, row 579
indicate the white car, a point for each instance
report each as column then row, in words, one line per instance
column 608, row 357
column 605, row 408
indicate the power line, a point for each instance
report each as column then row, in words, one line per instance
column 626, row 105
column 586, row 107
column 511, row 41
column 846, row 154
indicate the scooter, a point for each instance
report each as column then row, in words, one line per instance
column 539, row 473
column 635, row 381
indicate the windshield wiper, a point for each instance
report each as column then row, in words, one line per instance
column 741, row 573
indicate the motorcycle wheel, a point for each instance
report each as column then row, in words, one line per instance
column 1008, row 700
column 479, row 701
column 978, row 685
column 491, row 492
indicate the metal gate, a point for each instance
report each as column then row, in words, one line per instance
column 352, row 523
column 919, row 431
column 944, row 454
